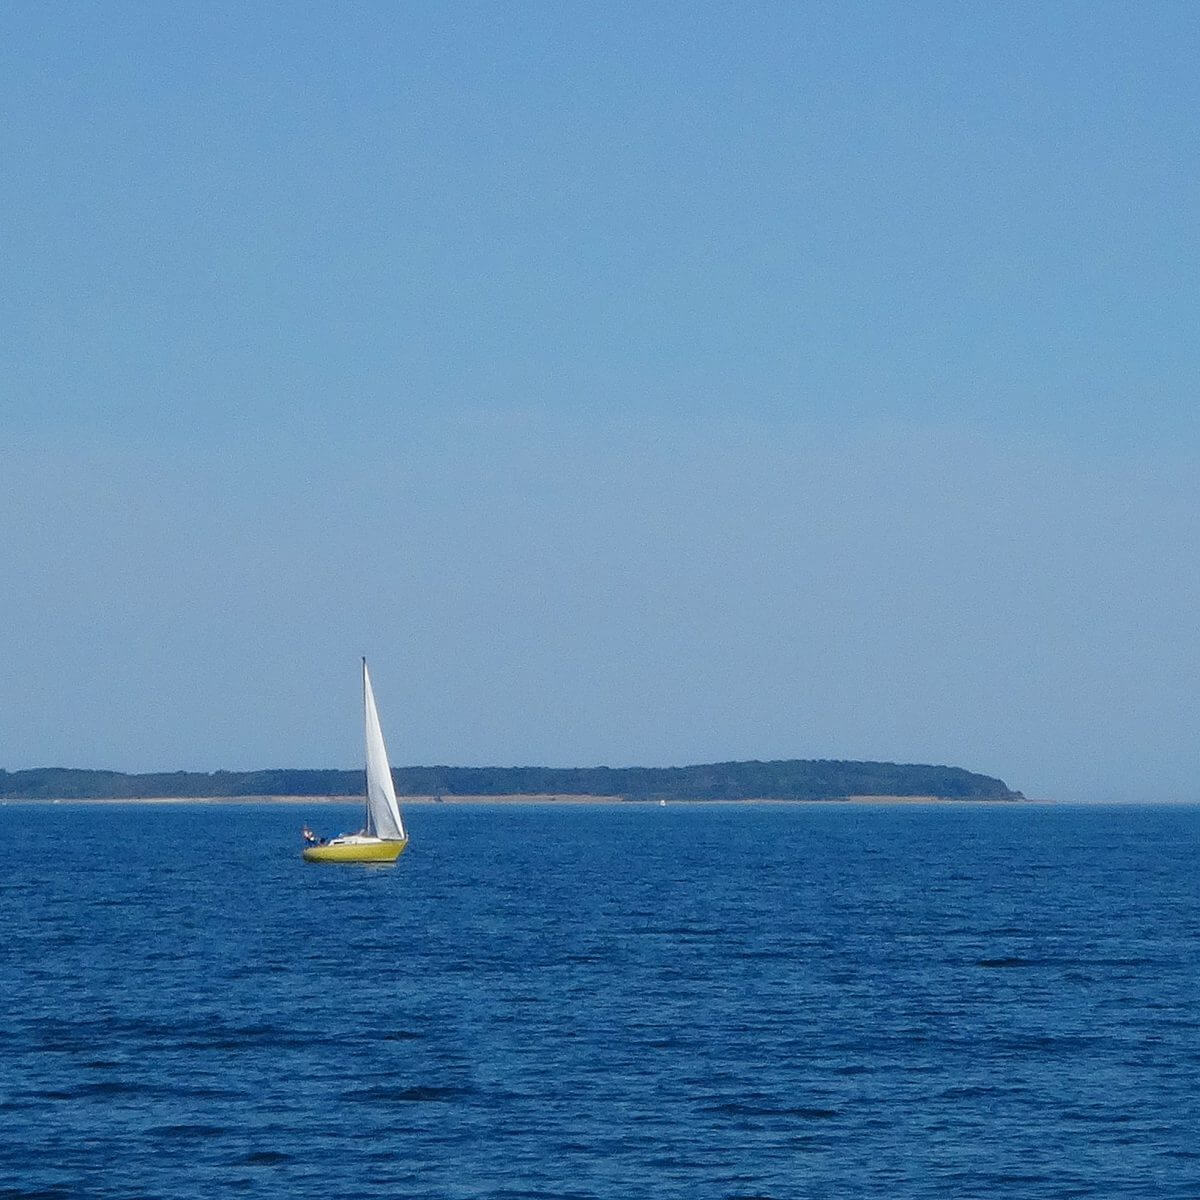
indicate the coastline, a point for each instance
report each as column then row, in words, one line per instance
column 515, row 799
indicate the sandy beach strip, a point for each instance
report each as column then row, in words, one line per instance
column 318, row 800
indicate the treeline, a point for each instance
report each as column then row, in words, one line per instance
column 790, row 779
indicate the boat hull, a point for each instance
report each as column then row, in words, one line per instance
column 362, row 850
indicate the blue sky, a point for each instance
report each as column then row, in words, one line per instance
column 657, row 384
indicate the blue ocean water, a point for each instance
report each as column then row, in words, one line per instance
column 611, row 1001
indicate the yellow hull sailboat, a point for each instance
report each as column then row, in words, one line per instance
column 383, row 838
column 350, row 847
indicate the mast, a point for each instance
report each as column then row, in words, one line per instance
column 366, row 766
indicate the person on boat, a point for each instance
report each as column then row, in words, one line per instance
column 310, row 838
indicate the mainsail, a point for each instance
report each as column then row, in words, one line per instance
column 383, row 814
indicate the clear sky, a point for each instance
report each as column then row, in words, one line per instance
column 634, row 384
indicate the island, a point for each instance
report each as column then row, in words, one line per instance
column 784, row 779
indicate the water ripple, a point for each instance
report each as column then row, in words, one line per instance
column 691, row 1004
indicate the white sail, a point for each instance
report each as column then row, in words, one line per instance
column 383, row 814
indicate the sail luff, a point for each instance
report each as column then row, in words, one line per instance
column 383, row 813
column 368, row 824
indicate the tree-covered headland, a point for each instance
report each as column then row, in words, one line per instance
column 788, row 779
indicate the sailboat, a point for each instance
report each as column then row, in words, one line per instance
column 383, row 837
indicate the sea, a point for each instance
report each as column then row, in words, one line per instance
column 602, row 1001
